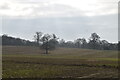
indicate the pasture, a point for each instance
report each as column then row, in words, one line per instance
column 31, row 62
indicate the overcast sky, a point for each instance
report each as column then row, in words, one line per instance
column 68, row 19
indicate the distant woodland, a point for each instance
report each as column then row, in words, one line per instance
column 50, row 42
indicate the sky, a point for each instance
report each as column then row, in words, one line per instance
column 68, row 19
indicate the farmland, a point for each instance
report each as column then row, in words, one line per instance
column 31, row 62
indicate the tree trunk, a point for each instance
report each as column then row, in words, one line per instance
column 47, row 47
column 46, row 51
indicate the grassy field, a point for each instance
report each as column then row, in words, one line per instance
column 30, row 62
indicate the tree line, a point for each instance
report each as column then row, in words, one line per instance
column 8, row 40
column 51, row 41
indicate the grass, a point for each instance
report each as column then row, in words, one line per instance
column 30, row 62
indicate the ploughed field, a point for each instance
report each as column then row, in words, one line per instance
column 31, row 62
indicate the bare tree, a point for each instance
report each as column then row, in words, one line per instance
column 37, row 37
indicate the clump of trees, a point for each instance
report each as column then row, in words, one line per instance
column 51, row 41
column 94, row 42
column 80, row 43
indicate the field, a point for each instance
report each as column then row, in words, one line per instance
column 31, row 62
